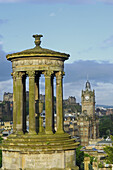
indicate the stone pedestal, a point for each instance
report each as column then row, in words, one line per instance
column 39, row 153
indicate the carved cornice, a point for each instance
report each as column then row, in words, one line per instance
column 35, row 62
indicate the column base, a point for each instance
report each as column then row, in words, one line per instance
column 32, row 133
column 19, row 133
column 59, row 132
column 41, row 133
column 48, row 132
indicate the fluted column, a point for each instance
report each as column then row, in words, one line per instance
column 59, row 102
column 37, row 100
column 14, row 103
column 31, row 75
column 19, row 103
column 52, row 88
column 24, row 103
column 37, row 86
column 48, row 102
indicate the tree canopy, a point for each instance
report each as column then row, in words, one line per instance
column 106, row 126
column 109, row 151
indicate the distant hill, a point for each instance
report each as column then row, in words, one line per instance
column 105, row 106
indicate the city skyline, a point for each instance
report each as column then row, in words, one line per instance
column 81, row 28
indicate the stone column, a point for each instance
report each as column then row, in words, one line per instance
column 19, row 103
column 52, row 88
column 48, row 102
column 37, row 86
column 14, row 103
column 31, row 75
column 59, row 102
column 86, row 163
column 37, row 100
column 24, row 103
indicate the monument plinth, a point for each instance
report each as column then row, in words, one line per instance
column 39, row 148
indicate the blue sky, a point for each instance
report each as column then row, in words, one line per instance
column 82, row 28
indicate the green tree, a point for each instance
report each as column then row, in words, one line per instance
column 106, row 126
column 1, row 153
column 109, row 151
column 79, row 158
column 0, row 158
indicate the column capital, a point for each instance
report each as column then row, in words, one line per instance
column 59, row 74
column 19, row 74
column 13, row 75
column 48, row 73
column 31, row 73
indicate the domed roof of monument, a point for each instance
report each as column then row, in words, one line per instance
column 37, row 51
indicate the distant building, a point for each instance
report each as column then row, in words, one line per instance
column 88, row 123
column 96, row 150
column 109, row 111
column 6, row 110
column 70, row 125
column 8, row 97
column 101, row 111
column 70, row 101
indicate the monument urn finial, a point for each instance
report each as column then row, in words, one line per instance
column 37, row 39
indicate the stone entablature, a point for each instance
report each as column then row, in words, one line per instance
column 37, row 64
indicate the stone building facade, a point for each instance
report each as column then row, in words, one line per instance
column 70, row 125
column 6, row 111
column 8, row 97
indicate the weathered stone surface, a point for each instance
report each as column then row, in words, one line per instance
column 16, row 160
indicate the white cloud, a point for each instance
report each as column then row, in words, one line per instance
column 100, row 76
column 5, row 86
column 103, row 91
column 5, row 66
column 73, row 89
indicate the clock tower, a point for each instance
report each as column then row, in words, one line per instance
column 88, row 100
column 88, row 123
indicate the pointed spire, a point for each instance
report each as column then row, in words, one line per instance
column 88, row 86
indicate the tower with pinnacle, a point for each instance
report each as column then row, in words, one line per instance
column 88, row 100
column 87, row 120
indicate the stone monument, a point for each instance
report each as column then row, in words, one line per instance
column 38, row 148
